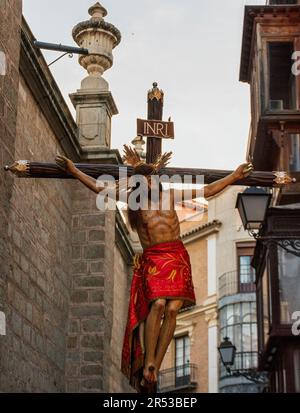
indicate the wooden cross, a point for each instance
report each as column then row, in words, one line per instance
column 155, row 130
column 155, row 111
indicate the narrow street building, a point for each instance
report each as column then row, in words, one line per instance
column 269, row 63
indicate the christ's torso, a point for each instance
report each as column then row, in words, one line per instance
column 158, row 226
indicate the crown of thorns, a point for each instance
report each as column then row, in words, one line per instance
column 131, row 157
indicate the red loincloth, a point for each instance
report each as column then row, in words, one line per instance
column 162, row 271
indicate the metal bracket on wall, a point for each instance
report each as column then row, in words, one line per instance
column 289, row 243
column 68, row 50
column 251, row 375
column 60, row 57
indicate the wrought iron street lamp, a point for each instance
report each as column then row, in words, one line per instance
column 253, row 205
column 227, row 352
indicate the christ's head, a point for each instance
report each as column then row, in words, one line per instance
column 147, row 178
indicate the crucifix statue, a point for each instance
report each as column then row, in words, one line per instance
column 162, row 281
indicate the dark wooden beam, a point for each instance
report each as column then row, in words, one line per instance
column 26, row 169
column 155, row 112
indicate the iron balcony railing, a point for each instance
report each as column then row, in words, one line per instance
column 243, row 362
column 177, row 378
column 228, row 284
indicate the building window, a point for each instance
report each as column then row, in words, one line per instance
column 238, row 322
column 182, row 360
column 282, row 90
column 294, row 152
column 246, row 273
column 264, row 306
column 289, row 284
column 291, row 151
column 297, row 370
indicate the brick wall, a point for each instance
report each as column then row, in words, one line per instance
column 198, row 256
column 195, row 325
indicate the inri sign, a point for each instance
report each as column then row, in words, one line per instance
column 155, row 128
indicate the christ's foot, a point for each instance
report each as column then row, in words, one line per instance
column 150, row 374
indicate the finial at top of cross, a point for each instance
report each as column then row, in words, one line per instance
column 155, row 92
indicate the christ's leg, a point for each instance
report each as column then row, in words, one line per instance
column 142, row 336
column 167, row 331
column 152, row 329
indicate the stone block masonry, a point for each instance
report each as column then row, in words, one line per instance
column 10, row 20
column 85, row 345
column 63, row 282
column 38, row 264
column 98, row 301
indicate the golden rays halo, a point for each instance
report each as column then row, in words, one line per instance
column 132, row 158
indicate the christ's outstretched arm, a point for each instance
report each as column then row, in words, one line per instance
column 241, row 172
column 68, row 166
column 215, row 187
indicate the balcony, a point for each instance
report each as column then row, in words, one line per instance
column 178, row 378
column 228, row 284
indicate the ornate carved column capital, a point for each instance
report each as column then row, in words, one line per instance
column 211, row 317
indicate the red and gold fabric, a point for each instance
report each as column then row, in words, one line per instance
column 162, row 271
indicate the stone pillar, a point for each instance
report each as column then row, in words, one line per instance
column 85, row 345
column 89, row 355
column 93, row 102
column 211, row 317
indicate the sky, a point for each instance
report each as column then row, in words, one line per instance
column 191, row 48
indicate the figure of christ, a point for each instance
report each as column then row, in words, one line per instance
column 162, row 281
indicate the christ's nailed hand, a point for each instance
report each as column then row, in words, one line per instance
column 243, row 170
column 65, row 164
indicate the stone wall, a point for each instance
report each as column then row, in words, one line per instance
column 10, row 19
column 63, row 282
column 99, row 300
column 38, row 281
column 85, row 347
column 122, row 277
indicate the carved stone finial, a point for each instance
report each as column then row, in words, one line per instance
column 138, row 144
column 100, row 38
column 97, row 11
